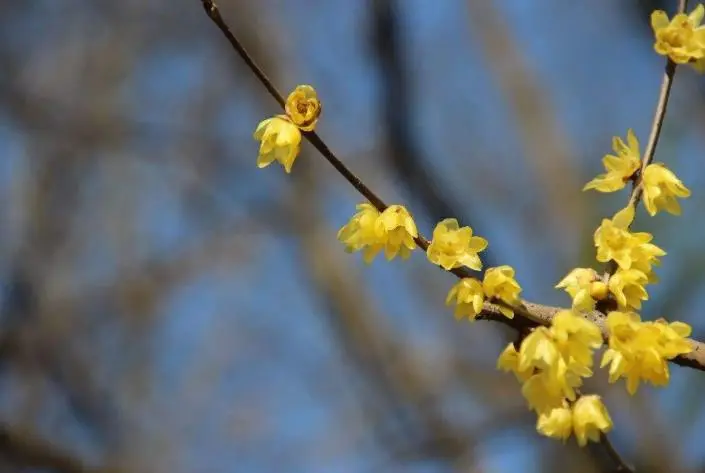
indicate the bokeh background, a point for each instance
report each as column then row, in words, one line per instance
column 168, row 307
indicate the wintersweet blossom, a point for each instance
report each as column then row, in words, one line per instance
column 587, row 418
column 303, row 107
column 453, row 246
column 280, row 141
column 620, row 168
column 545, row 391
column 392, row 230
column 468, row 296
column 359, row 233
column 579, row 285
column 538, row 350
column 556, row 423
column 682, row 38
column 398, row 231
column 509, row 361
column 552, row 360
column 561, row 354
column 638, row 351
column 499, row 283
column 661, row 190
column 627, row 286
column 550, row 363
column 590, row 419
column 576, row 338
column 614, row 241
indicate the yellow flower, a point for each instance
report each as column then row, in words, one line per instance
column 682, row 39
column 629, row 250
column 661, row 188
column 453, row 246
column 627, row 286
column 578, row 284
column 673, row 341
column 499, row 283
column 551, row 363
column 590, row 419
column 543, row 392
column 303, row 107
column 398, row 231
column 280, row 141
column 561, row 353
column 620, row 168
column 360, row 232
column 575, row 338
column 468, row 296
column 587, row 417
column 639, row 350
column 393, row 231
column 538, row 350
column 509, row 361
column 613, row 240
column 556, row 423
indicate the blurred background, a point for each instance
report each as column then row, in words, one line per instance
column 168, row 307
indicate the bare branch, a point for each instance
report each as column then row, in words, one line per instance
column 530, row 312
column 28, row 450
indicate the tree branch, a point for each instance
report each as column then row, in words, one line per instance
column 538, row 314
column 656, row 125
column 529, row 313
column 622, row 466
column 30, row 451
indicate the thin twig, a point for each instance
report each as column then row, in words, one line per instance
column 657, row 123
column 622, row 466
column 214, row 14
column 659, row 116
column 654, row 135
column 529, row 313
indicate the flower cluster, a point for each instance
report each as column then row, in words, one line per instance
column 587, row 418
column 634, row 256
column 394, row 231
column 584, row 287
column 454, row 246
column 551, row 363
column 280, row 136
column 682, row 38
column 499, row 285
column 660, row 186
column 621, row 167
column 372, row 231
column 639, row 350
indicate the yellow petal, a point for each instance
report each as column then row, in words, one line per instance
column 624, row 217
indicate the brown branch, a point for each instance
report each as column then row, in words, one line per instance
column 654, row 135
column 614, row 455
column 539, row 314
column 528, row 313
column 214, row 14
column 659, row 116
column 657, row 124
column 26, row 449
